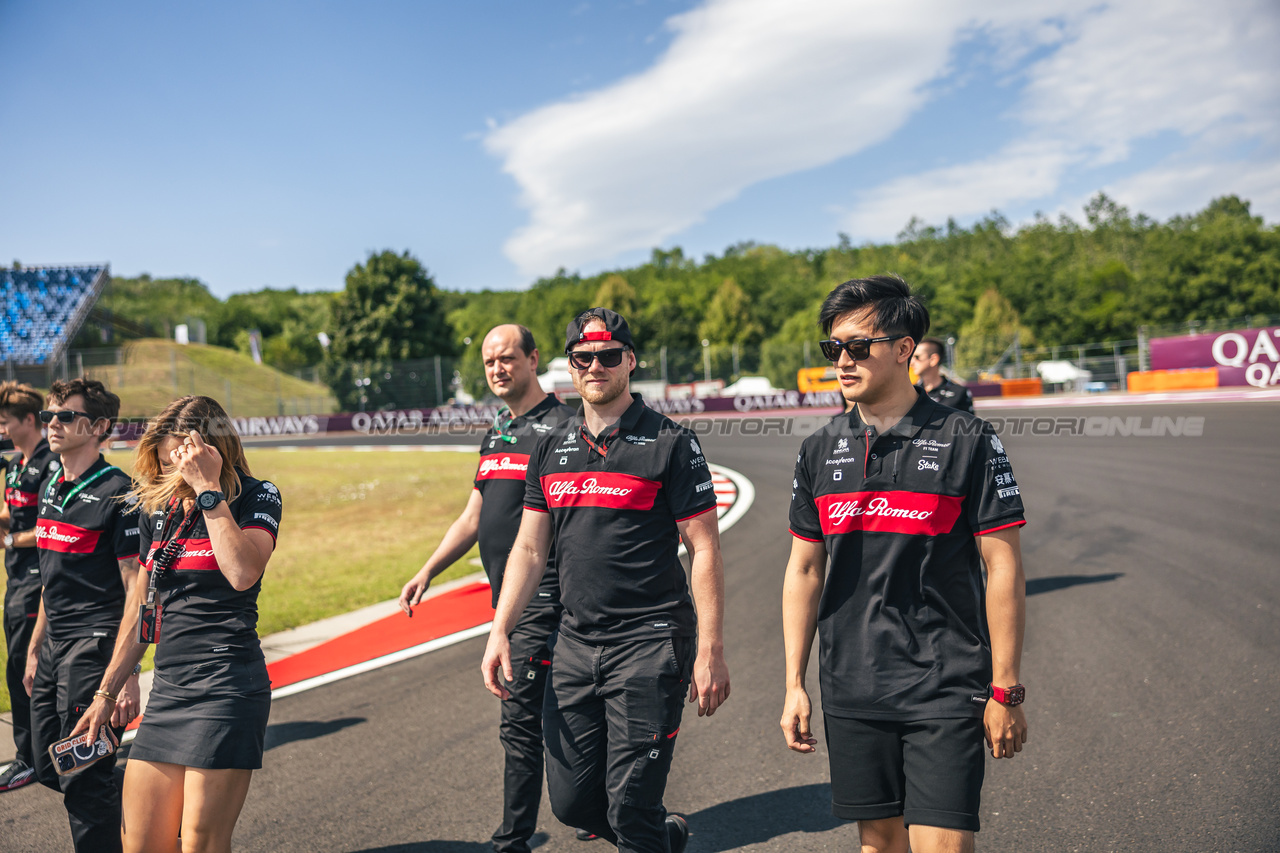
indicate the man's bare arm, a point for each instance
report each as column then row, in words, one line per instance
column 458, row 540
column 801, row 592
column 710, row 683
column 1006, row 727
column 525, row 566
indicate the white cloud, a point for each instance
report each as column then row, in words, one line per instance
column 755, row 89
column 748, row 90
column 1128, row 72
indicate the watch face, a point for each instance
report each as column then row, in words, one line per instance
column 208, row 500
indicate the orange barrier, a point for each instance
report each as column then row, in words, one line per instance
column 1173, row 380
column 817, row 379
column 1020, row 388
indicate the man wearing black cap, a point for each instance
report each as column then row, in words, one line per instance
column 619, row 485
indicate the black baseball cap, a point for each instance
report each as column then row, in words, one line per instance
column 615, row 329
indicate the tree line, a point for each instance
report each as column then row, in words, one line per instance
column 1055, row 282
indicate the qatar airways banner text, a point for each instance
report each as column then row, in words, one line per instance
column 1243, row 357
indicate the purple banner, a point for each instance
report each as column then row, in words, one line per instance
column 1243, row 356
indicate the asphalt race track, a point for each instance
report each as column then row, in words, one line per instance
column 1151, row 665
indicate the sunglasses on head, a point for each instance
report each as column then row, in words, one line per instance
column 858, row 349
column 607, row 357
column 502, row 422
column 65, row 416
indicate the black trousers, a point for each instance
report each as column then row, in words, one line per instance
column 611, row 715
column 21, row 603
column 68, row 673
column 520, row 730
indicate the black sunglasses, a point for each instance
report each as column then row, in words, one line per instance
column 581, row 359
column 502, row 422
column 858, row 349
column 65, row 416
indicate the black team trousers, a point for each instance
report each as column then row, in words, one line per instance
column 21, row 603
column 611, row 717
column 520, row 729
column 68, row 673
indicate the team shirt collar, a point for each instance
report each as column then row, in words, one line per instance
column 627, row 422
column 910, row 424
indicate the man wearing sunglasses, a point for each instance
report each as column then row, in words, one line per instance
column 926, row 361
column 491, row 517
column 619, row 485
column 907, row 499
column 20, row 407
column 87, row 540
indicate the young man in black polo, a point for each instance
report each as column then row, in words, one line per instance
column 491, row 517
column 926, row 361
column 918, row 662
column 619, row 485
column 20, row 407
column 87, row 539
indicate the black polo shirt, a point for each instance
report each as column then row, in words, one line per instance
column 951, row 394
column 203, row 617
column 22, row 481
column 84, row 527
column 500, row 481
column 614, row 516
column 902, row 620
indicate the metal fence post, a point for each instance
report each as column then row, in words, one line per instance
column 439, row 384
column 1142, row 348
column 806, row 353
column 662, row 355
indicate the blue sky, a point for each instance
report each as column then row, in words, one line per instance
column 275, row 144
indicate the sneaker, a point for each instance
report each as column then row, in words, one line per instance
column 585, row 835
column 15, row 776
column 677, row 833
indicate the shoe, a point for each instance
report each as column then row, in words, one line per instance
column 677, row 833
column 585, row 835
column 15, row 776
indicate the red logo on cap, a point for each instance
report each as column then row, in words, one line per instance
column 596, row 336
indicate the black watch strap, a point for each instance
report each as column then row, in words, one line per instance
column 210, row 499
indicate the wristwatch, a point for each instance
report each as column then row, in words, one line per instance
column 8, row 541
column 137, row 669
column 208, row 500
column 1010, row 696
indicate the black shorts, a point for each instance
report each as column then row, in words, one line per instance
column 928, row 771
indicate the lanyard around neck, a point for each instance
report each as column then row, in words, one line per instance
column 62, row 478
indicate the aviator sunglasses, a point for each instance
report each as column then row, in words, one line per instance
column 65, row 416
column 612, row 357
column 858, row 349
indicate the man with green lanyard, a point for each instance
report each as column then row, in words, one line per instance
column 87, row 540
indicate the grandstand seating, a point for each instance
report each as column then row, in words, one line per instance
column 42, row 308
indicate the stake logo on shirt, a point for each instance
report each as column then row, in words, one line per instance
column 604, row 489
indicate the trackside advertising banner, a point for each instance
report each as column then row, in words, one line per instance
column 409, row 421
column 1243, row 356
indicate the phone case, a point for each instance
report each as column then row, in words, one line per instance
column 77, row 753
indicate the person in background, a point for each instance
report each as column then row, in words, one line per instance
column 87, row 539
column 926, row 361
column 20, row 407
column 208, row 531
column 491, row 517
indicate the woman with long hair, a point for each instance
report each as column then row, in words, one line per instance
column 207, row 529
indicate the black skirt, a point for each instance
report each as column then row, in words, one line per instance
column 211, row 715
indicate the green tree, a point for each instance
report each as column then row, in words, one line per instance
column 728, row 319
column 616, row 295
column 389, row 312
column 993, row 328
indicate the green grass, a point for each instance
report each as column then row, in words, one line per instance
column 157, row 371
column 356, row 527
